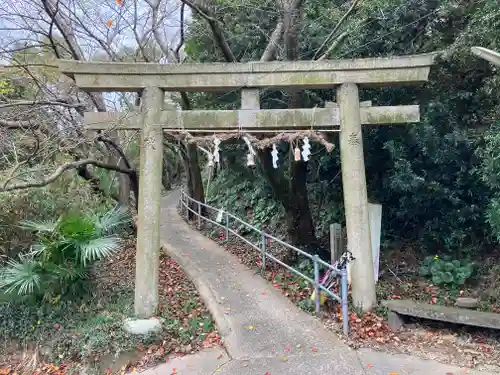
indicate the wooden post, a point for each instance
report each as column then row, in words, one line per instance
column 148, row 225
column 336, row 247
column 355, row 196
column 375, row 217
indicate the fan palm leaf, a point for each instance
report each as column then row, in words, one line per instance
column 98, row 248
column 111, row 220
column 45, row 226
column 21, row 277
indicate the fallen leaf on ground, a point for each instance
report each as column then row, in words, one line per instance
column 369, row 366
column 251, row 328
column 219, row 356
column 315, row 350
column 288, row 348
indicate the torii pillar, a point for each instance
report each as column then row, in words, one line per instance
column 147, row 260
column 355, row 195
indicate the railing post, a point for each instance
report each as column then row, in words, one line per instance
column 263, row 250
column 199, row 216
column 227, row 225
column 182, row 203
column 345, row 307
column 316, row 283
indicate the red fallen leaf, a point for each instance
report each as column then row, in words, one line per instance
column 219, row 356
column 267, row 373
column 263, row 293
column 315, row 350
column 288, row 348
column 396, row 297
column 174, row 371
column 57, row 326
column 108, row 371
column 369, row 366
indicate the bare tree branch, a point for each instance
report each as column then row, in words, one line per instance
column 61, row 103
column 218, row 34
column 7, row 124
column 270, row 51
column 60, row 170
column 334, row 45
column 335, row 29
column 181, row 37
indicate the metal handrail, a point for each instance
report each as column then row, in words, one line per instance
column 185, row 199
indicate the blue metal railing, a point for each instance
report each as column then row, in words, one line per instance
column 317, row 261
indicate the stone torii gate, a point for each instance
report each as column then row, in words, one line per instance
column 153, row 119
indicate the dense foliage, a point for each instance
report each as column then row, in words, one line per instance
column 437, row 180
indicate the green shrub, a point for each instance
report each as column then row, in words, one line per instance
column 57, row 264
column 447, row 272
column 67, row 194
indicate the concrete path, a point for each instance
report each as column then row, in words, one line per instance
column 263, row 331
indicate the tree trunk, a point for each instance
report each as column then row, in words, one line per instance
column 123, row 190
column 197, row 192
column 293, row 197
column 299, row 220
column 194, row 182
column 166, row 176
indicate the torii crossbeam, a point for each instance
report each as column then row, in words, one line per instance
column 487, row 54
column 346, row 116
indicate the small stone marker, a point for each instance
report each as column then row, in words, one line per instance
column 142, row 326
column 467, row 302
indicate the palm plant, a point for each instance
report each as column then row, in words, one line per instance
column 58, row 263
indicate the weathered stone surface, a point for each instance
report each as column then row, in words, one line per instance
column 467, row 302
column 444, row 314
column 208, row 120
column 142, row 326
column 148, row 223
column 105, row 76
column 356, row 197
column 487, row 54
column 395, row 320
